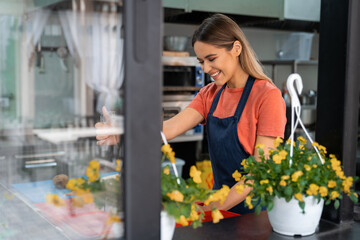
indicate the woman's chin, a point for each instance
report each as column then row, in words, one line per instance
column 219, row 82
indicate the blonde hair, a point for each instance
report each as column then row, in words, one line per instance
column 221, row 31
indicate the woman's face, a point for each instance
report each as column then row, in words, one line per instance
column 222, row 65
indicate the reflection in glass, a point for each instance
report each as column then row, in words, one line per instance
column 60, row 63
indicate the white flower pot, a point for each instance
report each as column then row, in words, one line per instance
column 167, row 226
column 287, row 217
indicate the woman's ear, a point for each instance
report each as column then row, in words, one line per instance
column 237, row 47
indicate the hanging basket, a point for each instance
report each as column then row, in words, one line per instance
column 167, row 226
column 287, row 217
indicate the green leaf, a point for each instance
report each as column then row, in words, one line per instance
column 328, row 202
column 302, row 205
column 353, row 198
column 258, row 209
column 288, row 191
column 261, row 151
column 270, row 206
column 337, row 204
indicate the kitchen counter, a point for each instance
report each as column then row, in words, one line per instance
column 251, row 226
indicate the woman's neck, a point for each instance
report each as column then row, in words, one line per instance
column 239, row 79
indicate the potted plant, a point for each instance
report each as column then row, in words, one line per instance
column 292, row 184
column 180, row 197
column 91, row 189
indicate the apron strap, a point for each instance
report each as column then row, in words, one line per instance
column 244, row 97
column 216, row 100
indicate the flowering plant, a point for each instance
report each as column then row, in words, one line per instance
column 302, row 175
column 104, row 192
column 180, row 196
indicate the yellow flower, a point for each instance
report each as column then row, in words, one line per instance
column 323, row 191
column 277, row 158
column 248, row 202
column 167, row 150
column 315, row 144
column 112, row 219
column 262, row 146
column 347, row 184
column 176, row 196
column 302, row 147
column 216, row 216
column 285, row 177
column 71, row 184
column 331, row 184
column 80, row 181
column 314, row 166
column 335, row 163
column 289, row 142
column 277, row 142
column 195, row 174
column 313, row 189
column 74, row 184
column 236, row 175
column 54, row 199
column 118, row 167
column 220, row 195
column 243, row 163
column 322, row 149
column 94, row 164
column 240, row 188
column 332, row 156
column 193, row 215
column 296, row 175
column 270, row 189
column 334, row 194
column 92, row 174
column 307, row 167
column 182, row 220
column 302, row 140
column 340, row 174
column 283, row 154
column 282, row 183
column 264, row 181
column 299, row 196
column 166, row 170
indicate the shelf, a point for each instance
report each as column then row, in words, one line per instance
column 289, row 62
column 293, row 63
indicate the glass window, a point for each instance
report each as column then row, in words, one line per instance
column 61, row 63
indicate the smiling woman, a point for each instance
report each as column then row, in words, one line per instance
column 241, row 108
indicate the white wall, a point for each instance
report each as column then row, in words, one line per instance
column 266, row 44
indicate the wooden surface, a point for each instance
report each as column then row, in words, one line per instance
column 176, row 54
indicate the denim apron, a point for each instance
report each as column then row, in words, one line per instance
column 225, row 149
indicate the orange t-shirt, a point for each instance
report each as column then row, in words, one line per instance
column 264, row 113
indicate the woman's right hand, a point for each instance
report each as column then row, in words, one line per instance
column 106, row 139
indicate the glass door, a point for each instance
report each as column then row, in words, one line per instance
column 70, row 130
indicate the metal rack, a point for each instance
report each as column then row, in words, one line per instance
column 293, row 63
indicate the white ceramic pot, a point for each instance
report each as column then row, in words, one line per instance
column 167, row 226
column 287, row 217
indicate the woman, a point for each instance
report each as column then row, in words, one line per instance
column 241, row 109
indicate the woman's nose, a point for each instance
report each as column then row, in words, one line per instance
column 206, row 67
